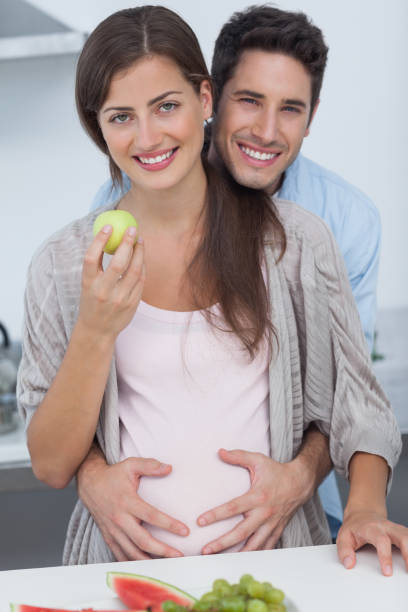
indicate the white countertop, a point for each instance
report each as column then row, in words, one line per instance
column 312, row 578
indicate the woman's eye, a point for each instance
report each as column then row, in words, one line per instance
column 122, row 118
column 166, row 107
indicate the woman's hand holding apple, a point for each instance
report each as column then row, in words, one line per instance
column 109, row 298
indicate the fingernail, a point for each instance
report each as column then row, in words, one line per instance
column 132, row 231
column 106, row 229
column 348, row 562
column 179, row 554
column 388, row 570
column 202, row 521
column 163, row 465
column 183, row 531
column 140, row 240
column 207, row 550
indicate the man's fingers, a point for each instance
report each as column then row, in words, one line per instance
column 148, row 467
column 235, row 506
column 122, row 546
column 153, row 516
column 237, row 457
column 238, row 534
column 258, row 539
column 273, row 540
column 346, row 547
column 147, row 543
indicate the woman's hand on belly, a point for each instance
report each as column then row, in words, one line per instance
column 275, row 494
column 110, row 494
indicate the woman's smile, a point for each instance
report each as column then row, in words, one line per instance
column 157, row 160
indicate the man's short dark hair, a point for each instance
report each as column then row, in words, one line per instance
column 267, row 28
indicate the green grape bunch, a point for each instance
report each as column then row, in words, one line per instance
column 248, row 595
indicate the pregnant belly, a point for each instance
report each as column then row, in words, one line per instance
column 192, row 488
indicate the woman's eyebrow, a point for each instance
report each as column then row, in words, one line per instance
column 150, row 102
column 163, row 95
column 118, row 108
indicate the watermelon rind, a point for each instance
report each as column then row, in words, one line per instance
column 139, row 578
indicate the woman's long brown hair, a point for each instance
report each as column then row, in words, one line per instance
column 227, row 266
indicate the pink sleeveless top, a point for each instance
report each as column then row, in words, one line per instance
column 185, row 391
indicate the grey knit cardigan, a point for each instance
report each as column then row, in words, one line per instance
column 320, row 373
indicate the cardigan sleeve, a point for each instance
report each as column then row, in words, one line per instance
column 362, row 418
column 43, row 339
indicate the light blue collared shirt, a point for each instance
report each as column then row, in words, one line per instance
column 355, row 223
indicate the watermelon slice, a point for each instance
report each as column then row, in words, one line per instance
column 25, row 608
column 142, row 592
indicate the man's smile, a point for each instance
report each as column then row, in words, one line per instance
column 258, row 156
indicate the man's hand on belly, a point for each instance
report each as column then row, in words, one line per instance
column 277, row 490
column 110, row 494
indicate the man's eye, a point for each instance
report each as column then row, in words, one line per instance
column 249, row 101
column 122, row 118
column 291, row 109
column 166, row 107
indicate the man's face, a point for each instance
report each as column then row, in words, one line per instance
column 262, row 118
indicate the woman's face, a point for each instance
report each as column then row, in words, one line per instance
column 152, row 122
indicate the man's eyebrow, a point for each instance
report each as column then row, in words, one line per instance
column 248, row 92
column 150, row 102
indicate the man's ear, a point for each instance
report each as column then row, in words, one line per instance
column 312, row 117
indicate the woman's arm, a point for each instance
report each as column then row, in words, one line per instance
column 62, row 428
column 365, row 516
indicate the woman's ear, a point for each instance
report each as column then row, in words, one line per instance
column 206, row 99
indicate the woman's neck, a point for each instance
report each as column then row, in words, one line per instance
column 175, row 210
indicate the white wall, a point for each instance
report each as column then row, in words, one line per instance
column 49, row 169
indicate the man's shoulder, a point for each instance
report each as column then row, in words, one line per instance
column 325, row 192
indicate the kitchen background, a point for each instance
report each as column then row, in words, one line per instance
column 50, row 172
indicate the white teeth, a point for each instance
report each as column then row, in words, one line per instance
column 257, row 154
column 157, row 159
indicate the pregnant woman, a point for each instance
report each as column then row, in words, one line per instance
column 230, row 324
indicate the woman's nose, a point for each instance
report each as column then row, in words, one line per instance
column 148, row 136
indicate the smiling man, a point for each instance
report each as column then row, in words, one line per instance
column 260, row 123
column 268, row 67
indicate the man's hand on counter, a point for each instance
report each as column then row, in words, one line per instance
column 109, row 492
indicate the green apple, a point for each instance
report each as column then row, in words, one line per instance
column 120, row 220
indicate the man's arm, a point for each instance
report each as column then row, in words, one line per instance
column 277, row 491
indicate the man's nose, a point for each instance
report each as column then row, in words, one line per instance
column 266, row 126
